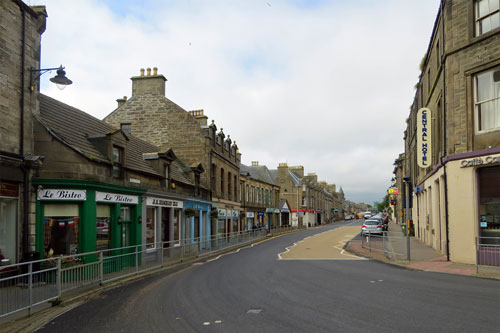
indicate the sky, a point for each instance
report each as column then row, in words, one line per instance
column 326, row 84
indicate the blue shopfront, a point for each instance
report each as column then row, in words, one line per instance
column 197, row 214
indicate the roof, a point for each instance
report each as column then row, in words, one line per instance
column 260, row 172
column 76, row 128
column 295, row 179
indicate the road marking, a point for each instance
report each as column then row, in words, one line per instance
column 206, row 323
column 218, row 322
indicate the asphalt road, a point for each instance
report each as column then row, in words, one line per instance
column 253, row 291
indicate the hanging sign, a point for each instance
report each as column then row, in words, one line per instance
column 393, row 191
column 221, row 212
column 116, row 198
column 424, row 135
column 61, row 194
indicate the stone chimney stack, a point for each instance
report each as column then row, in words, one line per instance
column 121, row 101
column 149, row 84
column 199, row 116
column 255, row 163
column 313, row 177
column 282, row 172
column 298, row 170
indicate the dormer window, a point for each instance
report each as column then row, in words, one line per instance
column 117, row 162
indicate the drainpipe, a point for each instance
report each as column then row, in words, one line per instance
column 443, row 163
column 25, row 238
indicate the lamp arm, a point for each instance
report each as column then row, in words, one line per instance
column 41, row 71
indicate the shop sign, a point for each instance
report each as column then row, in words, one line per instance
column 393, row 191
column 116, row 198
column 260, row 213
column 196, row 206
column 8, row 190
column 300, row 214
column 235, row 214
column 164, row 202
column 269, row 210
column 62, row 194
column 424, row 135
column 251, row 214
column 221, row 212
column 480, row 161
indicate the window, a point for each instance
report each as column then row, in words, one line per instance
column 126, row 127
column 247, row 193
column 117, row 162
column 8, row 218
column 487, row 100
column 229, row 185
column 487, row 16
column 222, row 180
column 166, row 174
column 304, row 201
column 212, row 176
column 103, row 227
column 236, row 188
column 151, row 227
column 60, row 229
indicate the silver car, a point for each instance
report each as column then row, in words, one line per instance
column 372, row 227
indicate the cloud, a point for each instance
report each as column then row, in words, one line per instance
column 324, row 84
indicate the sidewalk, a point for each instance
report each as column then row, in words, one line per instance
column 422, row 257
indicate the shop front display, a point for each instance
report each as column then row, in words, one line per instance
column 162, row 221
column 198, row 225
column 9, row 193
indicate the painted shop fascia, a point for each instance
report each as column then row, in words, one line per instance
column 77, row 216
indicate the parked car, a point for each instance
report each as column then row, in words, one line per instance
column 349, row 217
column 372, row 227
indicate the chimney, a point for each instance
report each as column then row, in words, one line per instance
column 200, row 117
column 121, row 101
column 282, row 172
column 298, row 170
column 313, row 177
column 255, row 163
column 149, row 84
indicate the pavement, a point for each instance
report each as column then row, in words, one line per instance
column 422, row 256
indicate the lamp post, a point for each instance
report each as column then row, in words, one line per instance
column 60, row 79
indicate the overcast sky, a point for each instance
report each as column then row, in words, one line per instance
column 323, row 84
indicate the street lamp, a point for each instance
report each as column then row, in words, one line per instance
column 60, row 79
column 407, row 181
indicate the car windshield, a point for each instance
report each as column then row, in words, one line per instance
column 371, row 222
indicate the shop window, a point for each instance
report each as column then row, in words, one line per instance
column 151, row 227
column 103, row 224
column 8, row 219
column 117, row 162
column 229, row 185
column 487, row 100
column 60, row 229
column 489, row 201
column 487, row 16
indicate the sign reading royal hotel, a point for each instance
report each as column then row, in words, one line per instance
column 424, row 135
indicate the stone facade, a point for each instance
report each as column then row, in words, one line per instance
column 149, row 115
column 461, row 58
column 21, row 28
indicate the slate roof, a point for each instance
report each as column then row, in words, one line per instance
column 261, row 173
column 74, row 127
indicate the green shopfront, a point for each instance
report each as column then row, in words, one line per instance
column 77, row 216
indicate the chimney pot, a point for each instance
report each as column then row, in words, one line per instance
column 149, row 71
column 125, row 98
column 155, row 71
column 142, row 71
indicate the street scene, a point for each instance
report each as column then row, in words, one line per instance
column 247, row 166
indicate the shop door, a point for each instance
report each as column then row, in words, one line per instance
column 489, row 216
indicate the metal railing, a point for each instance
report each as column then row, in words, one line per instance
column 487, row 251
column 392, row 244
column 26, row 285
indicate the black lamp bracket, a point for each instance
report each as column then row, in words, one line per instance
column 34, row 77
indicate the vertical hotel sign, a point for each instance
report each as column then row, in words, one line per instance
column 424, row 135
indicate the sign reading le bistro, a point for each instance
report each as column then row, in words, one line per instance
column 480, row 161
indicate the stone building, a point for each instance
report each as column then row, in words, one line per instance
column 149, row 115
column 311, row 203
column 21, row 27
column 99, row 184
column 259, row 197
column 454, row 171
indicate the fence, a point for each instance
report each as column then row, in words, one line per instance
column 26, row 285
column 391, row 244
column 488, row 253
